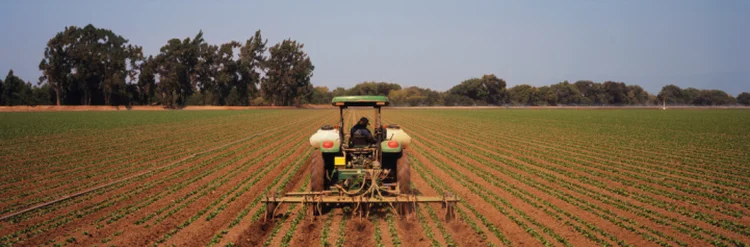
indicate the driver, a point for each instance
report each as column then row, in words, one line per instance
column 361, row 129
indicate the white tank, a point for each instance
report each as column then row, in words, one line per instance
column 324, row 134
column 394, row 132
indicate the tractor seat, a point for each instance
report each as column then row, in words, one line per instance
column 358, row 141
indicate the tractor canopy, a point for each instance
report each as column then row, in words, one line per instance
column 368, row 100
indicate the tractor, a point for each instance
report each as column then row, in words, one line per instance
column 359, row 171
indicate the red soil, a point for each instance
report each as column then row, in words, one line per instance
column 529, row 163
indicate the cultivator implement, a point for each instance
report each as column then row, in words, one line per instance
column 360, row 170
column 362, row 198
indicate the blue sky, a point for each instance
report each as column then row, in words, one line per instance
column 434, row 44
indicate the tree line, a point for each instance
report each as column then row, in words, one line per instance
column 491, row 90
column 95, row 66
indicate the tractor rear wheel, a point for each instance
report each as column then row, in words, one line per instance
column 403, row 174
column 317, row 174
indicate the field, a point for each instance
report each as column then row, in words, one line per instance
column 536, row 177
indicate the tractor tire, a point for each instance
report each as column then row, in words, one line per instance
column 403, row 173
column 317, row 176
column 317, row 172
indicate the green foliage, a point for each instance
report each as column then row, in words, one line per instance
column 457, row 100
column 288, row 76
column 321, row 95
column 692, row 96
column 176, row 65
column 89, row 65
column 340, row 91
column 147, row 81
column 671, row 94
column 714, row 97
column 14, row 91
column 373, row 88
column 251, row 63
column 523, row 95
column 743, row 98
column 566, row 93
column 482, row 91
column 415, row 96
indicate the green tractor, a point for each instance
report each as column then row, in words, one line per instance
column 360, row 170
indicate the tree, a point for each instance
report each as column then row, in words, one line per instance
column 177, row 67
column 617, row 92
column 206, row 71
column 287, row 80
column 340, row 91
column 458, row 100
column 226, row 74
column 744, row 99
column 251, row 64
column 373, row 88
column 566, row 93
column 690, row 96
column 432, row 97
column 637, row 96
column 547, row 96
column 58, row 62
column 593, row 93
column 523, row 95
column 42, row 94
column 486, row 90
column 714, row 97
column 321, row 95
column 415, row 96
column 88, row 65
column 495, row 88
column 146, row 85
column 1, row 93
column 13, row 88
column 671, row 94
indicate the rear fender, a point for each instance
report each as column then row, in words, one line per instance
column 335, row 149
column 386, row 148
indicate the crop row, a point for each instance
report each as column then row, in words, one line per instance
column 87, row 210
column 506, row 161
column 552, row 158
column 80, row 213
column 548, row 150
column 297, row 164
column 528, row 182
column 439, row 185
column 177, row 149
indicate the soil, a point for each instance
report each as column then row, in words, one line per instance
column 529, row 172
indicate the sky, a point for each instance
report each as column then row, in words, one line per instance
column 433, row 44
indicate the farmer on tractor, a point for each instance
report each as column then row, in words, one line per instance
column 360, row 133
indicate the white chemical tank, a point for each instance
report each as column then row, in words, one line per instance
column 325, row 133
column 394, row 132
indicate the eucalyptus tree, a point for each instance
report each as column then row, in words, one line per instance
column 289, row 68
